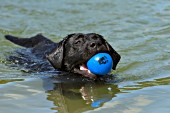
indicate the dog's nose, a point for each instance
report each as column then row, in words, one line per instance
column 95, row 44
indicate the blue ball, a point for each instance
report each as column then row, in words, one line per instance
column 100, row 64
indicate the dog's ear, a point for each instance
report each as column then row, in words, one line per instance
column 115, row 56
column 56, row 57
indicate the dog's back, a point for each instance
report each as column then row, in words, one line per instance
column 40, row 45
column 32, row 58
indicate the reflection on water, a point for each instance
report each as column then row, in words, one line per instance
column 76, row 95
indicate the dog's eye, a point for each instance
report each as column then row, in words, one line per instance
column 77, row 42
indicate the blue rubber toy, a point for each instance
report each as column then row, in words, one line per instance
column 100, row 64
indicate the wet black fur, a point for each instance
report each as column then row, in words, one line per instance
column 66, row 55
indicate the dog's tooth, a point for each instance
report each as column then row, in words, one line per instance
column 89, row 71
column 83, row 68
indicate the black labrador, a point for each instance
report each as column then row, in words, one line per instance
column 70, row 54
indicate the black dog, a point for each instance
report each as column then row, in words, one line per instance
column 70, row 54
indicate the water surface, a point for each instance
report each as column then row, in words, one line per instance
column 138, row 30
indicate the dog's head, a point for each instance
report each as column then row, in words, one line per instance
column 76, row 49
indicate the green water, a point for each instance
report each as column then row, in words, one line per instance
column 138, row 30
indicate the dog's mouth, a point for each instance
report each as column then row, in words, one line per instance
column 82, row 67
column 87, row 73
